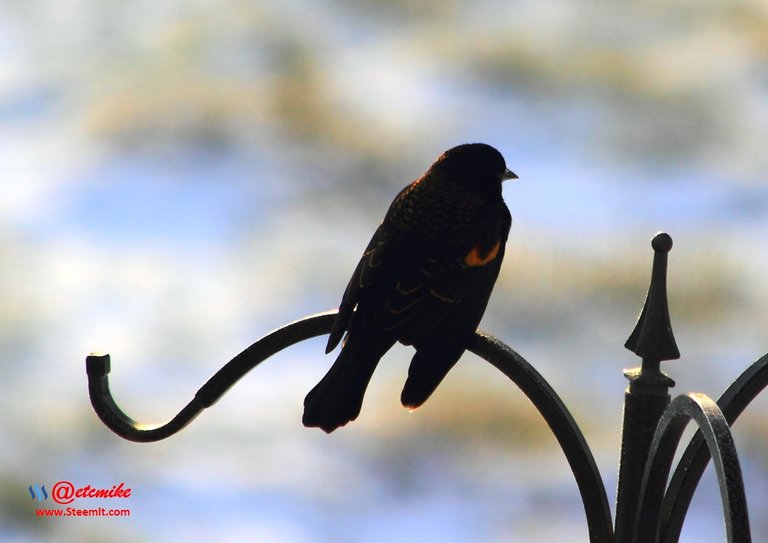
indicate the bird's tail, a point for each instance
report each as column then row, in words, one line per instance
column 427, row 370
column 338, row 397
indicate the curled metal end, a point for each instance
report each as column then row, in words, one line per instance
column 99, row 365
column 97, row 368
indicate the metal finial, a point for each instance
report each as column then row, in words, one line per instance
column 652, row 338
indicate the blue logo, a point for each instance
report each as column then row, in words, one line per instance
column 38, row 492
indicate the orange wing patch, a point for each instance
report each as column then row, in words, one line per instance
column 478, row 257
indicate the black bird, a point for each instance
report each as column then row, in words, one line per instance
column 424, row 280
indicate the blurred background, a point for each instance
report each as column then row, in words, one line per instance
column 179, row 178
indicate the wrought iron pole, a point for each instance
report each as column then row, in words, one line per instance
column 647, row 396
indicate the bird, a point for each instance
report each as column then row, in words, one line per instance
column 424, row 280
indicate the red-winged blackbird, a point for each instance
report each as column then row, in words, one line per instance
column 424, row 280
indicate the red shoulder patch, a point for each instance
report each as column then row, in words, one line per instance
column 477, row 256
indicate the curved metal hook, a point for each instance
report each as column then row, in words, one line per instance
column 696, row 456
column 98, row 367
column 717, row 435
column 565, row 429
column 514, row 366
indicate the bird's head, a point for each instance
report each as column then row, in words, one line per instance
column 476, row 163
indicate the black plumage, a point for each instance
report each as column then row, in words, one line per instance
column 424, row 280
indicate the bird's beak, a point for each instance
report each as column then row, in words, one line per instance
column 509, row 174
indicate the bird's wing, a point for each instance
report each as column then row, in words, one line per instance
column 442, row 290
column 369, row 269
column 441, row 293
column 415, row 289
column 441, row 324
column 366, row 273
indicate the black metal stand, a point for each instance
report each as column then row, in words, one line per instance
column 647, row 510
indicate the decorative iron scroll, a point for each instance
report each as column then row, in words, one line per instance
column 541, row 394
column 647, row 509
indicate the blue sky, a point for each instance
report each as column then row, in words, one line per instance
column 178, row 180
